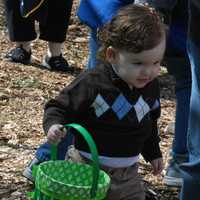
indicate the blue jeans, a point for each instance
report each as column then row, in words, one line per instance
column 181, row 121
column 183, row 92
column 43, row 153
column 191, row 170
column 191, row 183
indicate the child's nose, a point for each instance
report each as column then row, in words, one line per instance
column 147, row 71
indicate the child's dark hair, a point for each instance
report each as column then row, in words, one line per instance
column 135, row 28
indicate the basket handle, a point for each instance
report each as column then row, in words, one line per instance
column 93, row 150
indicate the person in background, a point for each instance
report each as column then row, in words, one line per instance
column 178, row 65
column 95, row 14
column 191, row 170
column 53, row 30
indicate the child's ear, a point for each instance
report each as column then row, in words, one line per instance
column 111, row 55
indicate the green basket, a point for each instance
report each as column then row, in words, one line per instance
column 66, row 180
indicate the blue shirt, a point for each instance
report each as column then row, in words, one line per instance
column 96, row 13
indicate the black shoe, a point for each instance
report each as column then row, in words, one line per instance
column 19, row 55
column 27, row 173
column 57, row 63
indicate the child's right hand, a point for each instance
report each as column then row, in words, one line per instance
column 55, row 133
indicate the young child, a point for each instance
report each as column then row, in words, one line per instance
column 118, row 101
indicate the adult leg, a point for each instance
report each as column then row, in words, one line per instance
column 180, row 68
column 190, row 189
column 191, row 184
column 19, row 28
column 54, row 31
column 191, row 181
column 178, row 65
column 21, row 31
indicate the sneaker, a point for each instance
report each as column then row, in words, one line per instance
column 150, row 194
column 56, row 63
column 19, row 55
column 173, row 175
column 27, row 173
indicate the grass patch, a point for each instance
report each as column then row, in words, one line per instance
column 26, row 83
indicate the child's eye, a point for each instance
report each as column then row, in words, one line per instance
column 157, row 62
column 137, row 63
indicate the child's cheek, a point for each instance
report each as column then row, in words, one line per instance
column 156, row 71
column 124, row 72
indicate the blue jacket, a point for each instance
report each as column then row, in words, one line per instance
column 96, row 13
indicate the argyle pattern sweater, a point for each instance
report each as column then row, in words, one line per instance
column 122, row 121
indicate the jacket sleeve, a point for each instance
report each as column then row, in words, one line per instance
column 71, row 104
column 151, row 149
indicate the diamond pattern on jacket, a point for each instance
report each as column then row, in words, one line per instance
column 100, row 105
column 121, row 106
column 141, row 108
column 156, row 105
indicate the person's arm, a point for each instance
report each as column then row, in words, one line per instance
column 151, row 149
column 70, row 106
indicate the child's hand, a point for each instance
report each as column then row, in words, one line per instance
column 157, row 166
column 56, row 133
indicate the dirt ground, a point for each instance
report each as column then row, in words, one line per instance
column 23, row 93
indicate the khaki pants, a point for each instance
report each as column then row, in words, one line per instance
column 126, row 183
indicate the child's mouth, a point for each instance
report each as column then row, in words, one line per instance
column 143, row 80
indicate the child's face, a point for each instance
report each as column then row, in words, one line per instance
column 137, row 70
